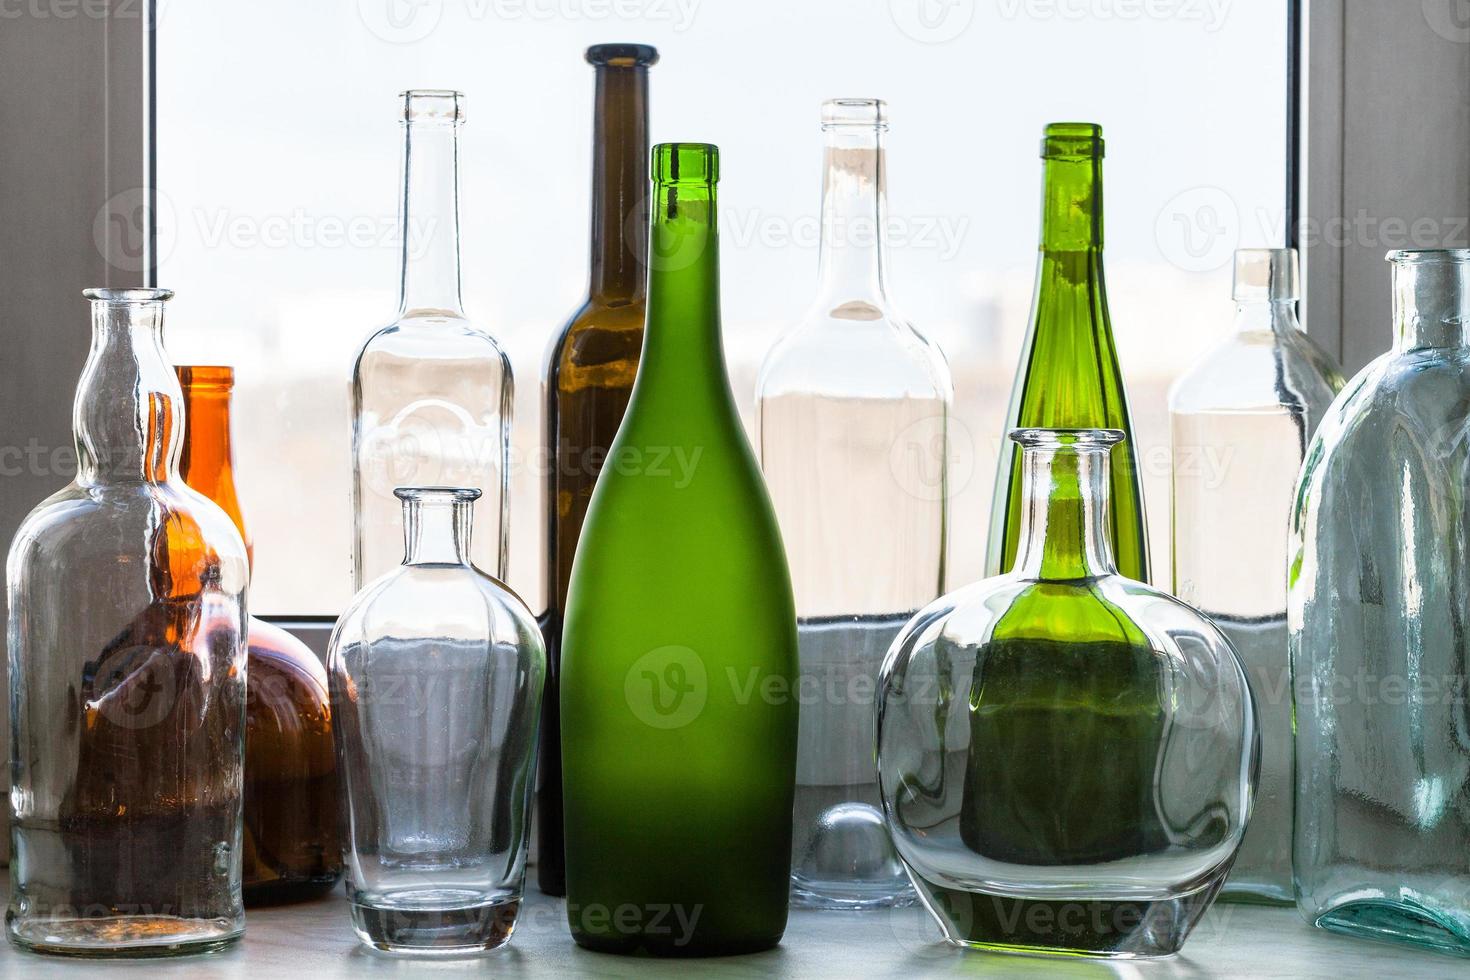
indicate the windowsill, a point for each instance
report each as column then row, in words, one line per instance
column 315, row 939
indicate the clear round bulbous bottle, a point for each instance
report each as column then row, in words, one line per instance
column 1378, row 611
column 436, row 673
column 853, row 408
column 1240, row 421
column 1066, row 756
column 432, row 391
column 127, row 675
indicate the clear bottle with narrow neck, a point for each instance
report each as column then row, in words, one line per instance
column 589, row 378
column 126, row 639
column 1069, row 375
column 431, row 392
column 678, row 773
column 437, row 671
column 853, row 408
column 1066, row 756
column 1240, row 420
column 1377, row 612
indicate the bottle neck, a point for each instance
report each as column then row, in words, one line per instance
column 429, row 220
column 128, row 411
column 683, row 322
column 619, row 184
column 1072, row 204
column 1431, row 301
column 853, row 257
column 207, row 459
column 436, row 528
column 1064, row 520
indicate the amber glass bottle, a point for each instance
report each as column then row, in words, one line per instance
column 589, row 377
column 290, row 843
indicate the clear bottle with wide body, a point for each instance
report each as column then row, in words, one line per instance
column 436, row 671
column 852, row 409
column 1377, row 615
column 127, row 675
column 1240, row 422
column 431, row 392
column 1067, row 756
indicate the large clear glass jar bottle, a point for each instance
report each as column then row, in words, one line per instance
column 1066, row 756
column 431, row 392
column 436, row 672
column 290, row 845
column 1240, row 421
column 127, row 675
column 852, row 407
column 1378, row 611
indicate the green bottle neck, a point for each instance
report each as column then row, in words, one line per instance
column 1064, row 517
column 682, row 335
column 1072, row 204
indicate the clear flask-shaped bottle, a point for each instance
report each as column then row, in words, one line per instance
column 436, row 671
column 127, row 675
column 1066, row 756
column 853, row 406
column 1377, row 612
column 1241, row 420
column 431, row 392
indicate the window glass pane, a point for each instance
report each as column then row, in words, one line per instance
column 278, row 152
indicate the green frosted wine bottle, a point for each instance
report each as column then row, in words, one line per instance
column 679, row 717
column 1069, row 376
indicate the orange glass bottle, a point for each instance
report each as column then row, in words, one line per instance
column 291, row 848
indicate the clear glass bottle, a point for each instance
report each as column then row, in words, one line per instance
column 1066, row 756
column 1240, row 420
column 436, row 673
column 290, row 845
column 1378, row 615
column 852, row 407
column 431, row 392
column 127, row 675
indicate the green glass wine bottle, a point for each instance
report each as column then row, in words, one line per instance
column 679, row 716
column 1069, row 376
column 589, row 378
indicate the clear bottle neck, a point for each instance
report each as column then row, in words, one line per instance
column 128, row 413
column 429, row 217
column 1265, row 290
column 620, row 172
column 437, row 524
column 1064, row 493
column 1431, row 298
column 853, row 256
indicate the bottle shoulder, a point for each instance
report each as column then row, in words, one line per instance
column 437, row 337
column 1257, row 372
column 873, row 356
column 433, row 601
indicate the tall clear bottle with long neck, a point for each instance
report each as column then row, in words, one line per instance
column 1240, row 421
column 431, row 392
column 1069, row 376
column 589, row 378
column 852, row 407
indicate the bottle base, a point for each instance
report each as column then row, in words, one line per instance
column 436, row 923
column 288, row 892
column 665, row 948
column 1401, row 922
column 850, row 896
column 1255, row 893
column 124, row 936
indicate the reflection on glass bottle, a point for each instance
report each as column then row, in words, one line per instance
column 431, row 392
column 291, row 845
column 1069, row 375
column 127, row 675
column 1378, row 610
column 679, row 657
column 1240, row 422
column 437, row 672
column 1066, row 756
column 589, row 378
column 853, row 406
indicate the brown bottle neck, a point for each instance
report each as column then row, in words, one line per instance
column 619, row 184
column 207, row 462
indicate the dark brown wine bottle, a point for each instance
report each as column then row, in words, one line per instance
column 589, row 377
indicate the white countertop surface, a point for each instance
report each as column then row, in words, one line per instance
column 315, row 941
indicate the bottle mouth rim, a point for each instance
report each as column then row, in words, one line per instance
column 433, row 494
column 1072, row 141
column 434, row 106
column 127, row 294
column 855, row 113
column 622, row 55
column 686, row 163
column 1427, row 256
column 1077, row 440
column 206, row 376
